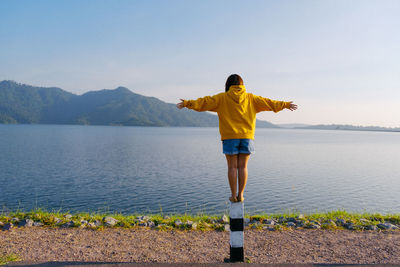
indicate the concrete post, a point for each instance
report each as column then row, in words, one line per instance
column 236, row 215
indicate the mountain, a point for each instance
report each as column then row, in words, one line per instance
column 349, row 128
column 20, row 103
column 292, row 125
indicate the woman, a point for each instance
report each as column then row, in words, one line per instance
column 236, row 111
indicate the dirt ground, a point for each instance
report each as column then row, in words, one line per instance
column 40, row 244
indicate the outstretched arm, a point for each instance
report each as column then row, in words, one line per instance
column 207, row 103
column 266, row 104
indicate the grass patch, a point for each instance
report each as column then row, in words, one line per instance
column 4, row 259
column 202, row 221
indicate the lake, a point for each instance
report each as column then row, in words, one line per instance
column 177, row 170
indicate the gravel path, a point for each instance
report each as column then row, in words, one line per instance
column 143, row 245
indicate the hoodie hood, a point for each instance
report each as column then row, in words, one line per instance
column 237, row 93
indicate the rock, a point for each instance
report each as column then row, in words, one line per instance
column 227, row 227
column 269, row 228
column 143, row 218
column 143, row 223
column 8, row 226
column 151, row 224
column 110, row 221
column 224, row 219
column 68, row 224
column 312, row 226
column 160, row 226
column 177, row 223
column 364, row 221
column 269, row 222
column 36, row 224
column 15, row 220
column 371, row 227
column 194, row 225
column 300, row 216
column 166, row 217
column 83, row 222
column 291, row 219
column 1, row 224
column 206, row 225
column 349, row 226
column 282, row 219
column 315, row 222
column 26, row 223
column 329, row 223
column 300, row 223
column 291, row 224
column 57, row 220
column 68, row 216
column 188, row 223
column 246, row 221
column 387, row 226
column 91, row 225
column 97, row 223
column 340, row 222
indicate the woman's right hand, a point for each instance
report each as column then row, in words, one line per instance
column 180, row 104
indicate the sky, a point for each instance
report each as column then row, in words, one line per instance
column 339, row 60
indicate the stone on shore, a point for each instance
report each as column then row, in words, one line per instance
column 340, row 222
column 312, row 225
column 227, row 227
column 371, row 227
column 194, row 225
column 387, row 226
column 110, row 221
column 291, row 224
column 37, row 224
column 8, row 226
column 178, row 223
column 68, row 216
column 224, row 219
column 269, row 222
column 26, row 223
column 68, row 224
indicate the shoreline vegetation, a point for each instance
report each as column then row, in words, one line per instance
column 337, row 219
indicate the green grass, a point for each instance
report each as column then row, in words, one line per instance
column 4, row 259
column 204, row 221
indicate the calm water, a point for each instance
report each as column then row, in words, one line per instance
column 146, row 169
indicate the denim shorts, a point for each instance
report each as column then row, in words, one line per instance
column 238, row 146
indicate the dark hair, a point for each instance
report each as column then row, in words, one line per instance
column 233, row 79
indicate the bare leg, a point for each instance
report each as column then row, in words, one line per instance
column 232, row 161
column 242, row 165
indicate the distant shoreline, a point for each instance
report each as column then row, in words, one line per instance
column 391, row 130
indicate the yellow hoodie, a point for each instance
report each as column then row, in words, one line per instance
column 236, row 110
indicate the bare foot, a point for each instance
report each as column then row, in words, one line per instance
column 240, row 198
column 233, row 199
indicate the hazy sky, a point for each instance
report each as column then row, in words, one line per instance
column 338, row 60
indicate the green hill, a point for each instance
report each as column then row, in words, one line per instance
column 20, row 103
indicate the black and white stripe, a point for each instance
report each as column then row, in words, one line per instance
column 236, row 222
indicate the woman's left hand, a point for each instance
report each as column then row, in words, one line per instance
column 292, row 106
column 180, row 104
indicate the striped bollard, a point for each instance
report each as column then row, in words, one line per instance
column 236, row 222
